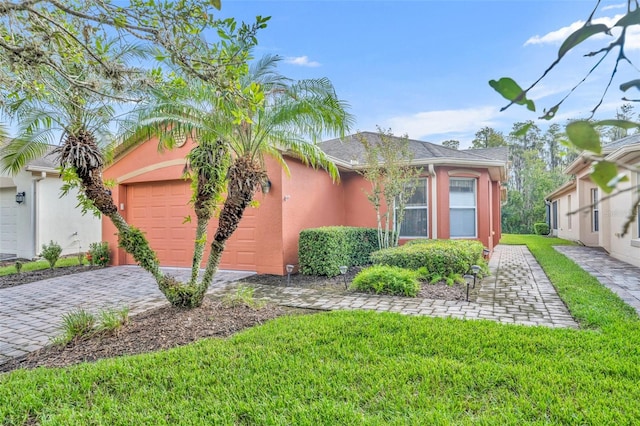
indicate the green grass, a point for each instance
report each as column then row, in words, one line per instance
column 363, row 368
column 40, row 264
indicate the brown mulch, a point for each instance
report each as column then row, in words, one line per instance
column 168, row 327
column 153, row 330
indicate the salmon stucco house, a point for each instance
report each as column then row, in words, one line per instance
column 459, row 196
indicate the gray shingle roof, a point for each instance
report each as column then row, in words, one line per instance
column 498, row 153
column 619, row 143
column 349, row 149
column 48, row 160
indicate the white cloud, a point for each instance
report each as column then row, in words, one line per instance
column 424, row 124
column 614, row 6
column 302, row 61
column 560, row 35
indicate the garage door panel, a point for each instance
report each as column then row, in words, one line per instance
column 8, row 221
column 159, row 209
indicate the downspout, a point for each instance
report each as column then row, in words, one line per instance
column 34, row 217
column 434, row 202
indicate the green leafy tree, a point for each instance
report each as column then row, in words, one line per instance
column 74, row 96
column 230, row 148
column 451, row 143
column 392, row 180
column 585, row 134
column 488, row 138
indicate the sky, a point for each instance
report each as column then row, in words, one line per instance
column 422, row 67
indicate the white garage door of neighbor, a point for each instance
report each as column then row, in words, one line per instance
column 8, row 221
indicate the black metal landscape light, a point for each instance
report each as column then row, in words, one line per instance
column 475, row 269
column 289, row 271
column 20, row 197
column 343, row 271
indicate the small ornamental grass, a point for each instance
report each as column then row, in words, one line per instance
column 387, row 280
column 80, row 323
column 243, row 296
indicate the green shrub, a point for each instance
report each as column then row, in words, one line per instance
column 99, row 254
column 387, row 280
column 18, row 266
column 541, row 228
column 441, row 258
column 321, row 251
column 243, row 296
column 51, row 252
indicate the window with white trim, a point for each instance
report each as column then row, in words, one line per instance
column 554, row 214
column 462, row 208
column 415, row 221
column 595, row 210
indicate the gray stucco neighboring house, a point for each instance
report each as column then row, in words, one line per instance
column 32, row 213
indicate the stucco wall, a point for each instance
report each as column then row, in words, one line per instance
column 45, row 217
column 568, row 226
column 309, row 200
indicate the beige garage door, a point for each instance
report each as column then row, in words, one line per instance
column 159, row 209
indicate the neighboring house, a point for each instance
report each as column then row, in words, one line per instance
column 32, row 213
column 597, row 221
column 459, row 196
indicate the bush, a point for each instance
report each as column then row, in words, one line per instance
column 541, row 228
column 321, row 251
column 18, row 266
column 51, row 252
column 441, row 258
column 387, row 280
column 99, row 254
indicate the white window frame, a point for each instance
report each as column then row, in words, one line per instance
column 555, row 214
column 595, row 210
column 475, row 207
column 420, row 181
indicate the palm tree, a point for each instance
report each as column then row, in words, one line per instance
column 232, row 140
column 79, row 122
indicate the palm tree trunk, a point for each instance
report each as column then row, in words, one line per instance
column 198, row 250
column 244, row 177
column 130, row 238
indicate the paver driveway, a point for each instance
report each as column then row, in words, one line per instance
column 31, row 314
column 517, row 292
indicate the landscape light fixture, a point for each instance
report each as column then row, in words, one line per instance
column 475, row 269
column 467, row 279
column 289, row 271
column 343, row 271
column 20, row 197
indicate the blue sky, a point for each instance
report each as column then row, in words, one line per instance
column 422, row 67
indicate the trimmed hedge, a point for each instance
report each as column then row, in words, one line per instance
column 441, row 257
column 387, row 280
column 541, row 228
column 321, row 251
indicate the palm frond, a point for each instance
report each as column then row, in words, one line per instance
column 15, row 154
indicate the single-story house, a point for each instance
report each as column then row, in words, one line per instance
column 460, row 196
column 597, row 221
column 32, row 213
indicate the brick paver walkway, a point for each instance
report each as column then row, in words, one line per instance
column 622, row 278
column 517, row 292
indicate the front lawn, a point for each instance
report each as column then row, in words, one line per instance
column 365, row 368
column 38, row 265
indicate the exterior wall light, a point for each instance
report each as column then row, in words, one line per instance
column 20, row 197
column 266, row 186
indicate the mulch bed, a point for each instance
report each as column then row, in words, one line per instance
column 168, row 327
column 153, row 330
